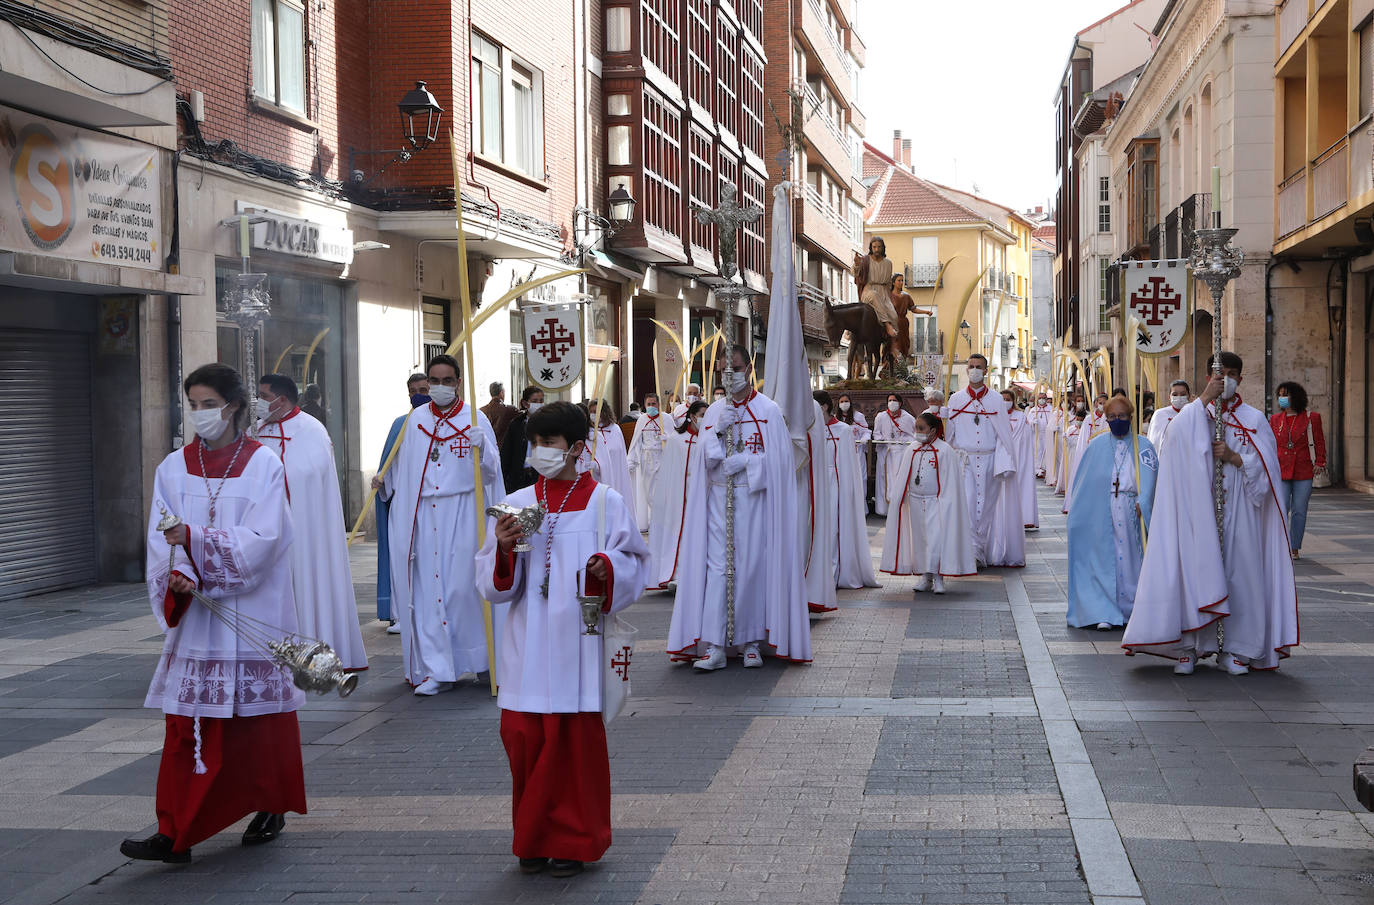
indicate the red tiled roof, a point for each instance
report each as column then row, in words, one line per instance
column 990, row 210
column 1046, row 232
column 900, row 197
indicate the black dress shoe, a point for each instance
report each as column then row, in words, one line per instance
column 156, row 847
column 533, row 865
column 264, row 827
column 563, row 868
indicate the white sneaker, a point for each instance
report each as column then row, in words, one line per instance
column 923, row 583
column 393, row 629
column 1185, row 665
column 714, row 659
column 752, row 657
column 1231, row 664
column 938, row 584
column 431, row 687
column 1104, row 626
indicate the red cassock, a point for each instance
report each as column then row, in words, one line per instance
column 560, row 782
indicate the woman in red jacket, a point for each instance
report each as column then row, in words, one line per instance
column 1291, row 425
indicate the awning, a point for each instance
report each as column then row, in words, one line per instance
column 1024, row 386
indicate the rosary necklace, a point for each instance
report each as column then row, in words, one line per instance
column 205, row 475
column 552, row 521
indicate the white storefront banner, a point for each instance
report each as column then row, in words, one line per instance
column 79, row 194
column 1159, row 294
column 553, row 344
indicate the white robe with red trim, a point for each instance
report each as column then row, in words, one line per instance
column 679, row 500
column 433, row 537
column 547, row 663
column 1159, row 425
column 853, row 558
column 1068, row 441
column 1042, row 425
column 929, row 529
column 645, row 457
column 1023, row 446
column 770, row 594
column 978, row 426
column 206, row 669
column 818, row 492
column 606, row 447
column 890, row 436
column 325, row 606
column 1182, row 592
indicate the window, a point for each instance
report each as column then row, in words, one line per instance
column 1104, row 204
column 507, row 108
column 518, row 378
column 279, row 53
column 1104, row 323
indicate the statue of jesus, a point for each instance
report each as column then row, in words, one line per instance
column 873, row 276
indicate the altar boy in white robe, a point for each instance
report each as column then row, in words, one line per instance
column 1043, row 423
column 679, row 498
column 853, row 559
column 977, row 425
column 770, row 600
column 645, row 456
column 1159, row 422
column 1184, row 589
column 325, row 606
column 929, row 533
column 232, row 744
column 891, row 433
column 1023, row 442
column 433, row 533
column 550, row 671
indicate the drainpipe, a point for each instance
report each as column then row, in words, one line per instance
column 1335, row 458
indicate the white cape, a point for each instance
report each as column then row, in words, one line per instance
column 818, row 491
column 1182, row 592
column 890, row 436
column 853, row 555
column 643, row 461
column 930, row 532
column 679, row 499
column 325, row 606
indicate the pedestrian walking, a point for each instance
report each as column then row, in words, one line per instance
column 1302, row 457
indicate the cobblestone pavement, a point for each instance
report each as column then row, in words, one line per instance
column 958, row 749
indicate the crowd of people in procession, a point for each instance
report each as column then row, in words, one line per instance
column 696, row 498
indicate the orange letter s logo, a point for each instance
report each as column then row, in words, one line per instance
column 44, row 187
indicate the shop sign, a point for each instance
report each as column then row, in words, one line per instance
column 287, row 235
column 78, row 194
column 1159, row 295
column 553, row 344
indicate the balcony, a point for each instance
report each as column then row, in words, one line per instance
column 1329, row 186
column 825, row 227
column 809, row 21
column 1361, row 148
column 812, row 301
column 1293, row 16
column 825, row 136
column 1293, row 203
column 922, row 276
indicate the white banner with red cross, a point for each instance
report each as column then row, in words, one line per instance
column 554, row 350
column 1159, row 294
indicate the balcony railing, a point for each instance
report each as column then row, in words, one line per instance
column 1329, row 186
column 1292, row 17
column 1293, row 203
column 1362, row 159
column 815, row 110
column 922, row 276
column 834, row 217
column 818, row 7
column 813, row 302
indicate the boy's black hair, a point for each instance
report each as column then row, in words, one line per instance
column 558, row 419
column 824, row 399
column 1228, row 360
column 442, row 359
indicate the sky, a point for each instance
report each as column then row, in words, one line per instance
column 972, row 83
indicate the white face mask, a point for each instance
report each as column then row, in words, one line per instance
column 1178, row 401
column 921, row 439
column 691, row 398
column 548, row 461
column 735, row 382
column 443, row 396
column 844, row 406
column 894, row 406
column 262, row 409
column 209, row 424
column 975, row 375
column 534, row 407
column 1229, row 390
column 696, row 424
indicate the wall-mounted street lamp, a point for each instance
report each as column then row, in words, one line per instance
column 964, row 328
column 594, row 228
column 420, row 118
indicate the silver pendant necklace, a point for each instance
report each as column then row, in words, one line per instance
column 205, row 475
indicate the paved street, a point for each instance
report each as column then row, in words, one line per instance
column 963, row 749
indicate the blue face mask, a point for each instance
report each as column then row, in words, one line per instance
column 651, row 410
column 418, row 399
column 1120, row 426
column 1284, row 402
